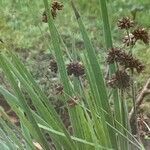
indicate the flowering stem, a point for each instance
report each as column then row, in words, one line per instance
column 134, row 108
column 130, row 44
column 133, row 91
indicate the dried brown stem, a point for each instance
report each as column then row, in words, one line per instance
column 145, row 91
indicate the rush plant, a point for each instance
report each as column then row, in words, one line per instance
column 95, row 123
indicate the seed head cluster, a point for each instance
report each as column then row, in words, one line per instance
column 135, row 33
column 75, row 68
column 129, row 40
column 125, row 23
column 53, row 66
column 44, row 17
column 141, row 34
column 56, row 6
column 124, row 59
column 59, row 89
column 120, row 80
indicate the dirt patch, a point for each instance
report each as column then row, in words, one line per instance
column 13, row 117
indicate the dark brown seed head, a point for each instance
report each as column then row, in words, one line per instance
column 124, row 59
column 141, row 34
column 125, row 23
column 120, row 80
column 44, row 17
column 129, row 40
column 53, row 66
column 57, row 6
column 113, row 55
column 75, row 68
column 53, row 13
column 59, row 89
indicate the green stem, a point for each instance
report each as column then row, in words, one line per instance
column 106, row 25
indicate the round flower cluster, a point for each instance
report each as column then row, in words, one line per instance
column 124, row 59
column 56, row 6
column 75, row 68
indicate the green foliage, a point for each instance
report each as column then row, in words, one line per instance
column 93, row 124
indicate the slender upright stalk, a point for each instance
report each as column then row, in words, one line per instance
column 106, row 25
column 134, row 106
column 133, row 91
column 109, row 44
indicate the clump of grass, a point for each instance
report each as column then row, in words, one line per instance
column 94, row 124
